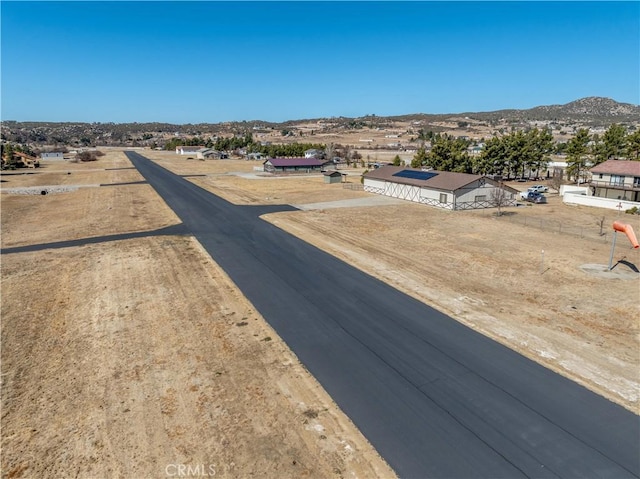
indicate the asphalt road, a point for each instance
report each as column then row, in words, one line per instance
column 434, row 397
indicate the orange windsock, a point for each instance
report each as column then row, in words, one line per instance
column 628, row 230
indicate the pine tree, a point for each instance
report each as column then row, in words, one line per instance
column 577, row 151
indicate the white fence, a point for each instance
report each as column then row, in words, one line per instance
column 575, row 198
column 579, row 190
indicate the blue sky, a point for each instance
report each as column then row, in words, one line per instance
column 192, row 62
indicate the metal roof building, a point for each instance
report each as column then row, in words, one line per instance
column 443, row 189
column 294, row 164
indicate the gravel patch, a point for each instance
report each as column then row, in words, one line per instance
column 351, row 203
column 44, row 190
column 619, row 271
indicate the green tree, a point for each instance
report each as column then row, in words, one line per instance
column 633, row 146
column 597, row 149
column 173, row 143
column 539, row 148
column 449, row 154
column 615, row 143
column 577, row 154
column 517, row 152
column 397, row 161
column 560, row 148
column 8, row 161
column 494, row 157
column 420, row 158
column 424, row 136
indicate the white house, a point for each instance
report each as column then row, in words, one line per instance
column 553, row 167
column 188, row 150
column 443, row 189
column 52, row 156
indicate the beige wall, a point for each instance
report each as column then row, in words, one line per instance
column 606, row 179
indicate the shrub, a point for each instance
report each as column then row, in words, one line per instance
column 89, row 155
column 633, row 211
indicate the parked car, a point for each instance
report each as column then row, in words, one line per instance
column 525, row 194
column 538, row 189
column 534, row 197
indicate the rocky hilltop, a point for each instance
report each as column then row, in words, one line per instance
column 592, row 111
column 592, row 106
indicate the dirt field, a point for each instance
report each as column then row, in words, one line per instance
column 139, row 357
column 132, row 357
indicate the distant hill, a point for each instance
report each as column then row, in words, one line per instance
column 592, row 106
column 591, row 111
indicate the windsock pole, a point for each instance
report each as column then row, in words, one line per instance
column 613, row 247
column 626, row 229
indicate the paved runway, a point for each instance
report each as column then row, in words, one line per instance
column 434, row 397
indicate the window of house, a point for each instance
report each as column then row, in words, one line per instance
column 443, row 197
column 481, row 198
column 636, row 181
column 600, row 176
column 617, row 180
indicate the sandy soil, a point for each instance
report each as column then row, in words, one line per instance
column 125, row 358
column 140, row 358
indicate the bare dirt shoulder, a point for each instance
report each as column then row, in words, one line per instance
column 486, row 272
column 135, row 357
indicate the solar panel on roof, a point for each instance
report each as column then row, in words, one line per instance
column 415, row 175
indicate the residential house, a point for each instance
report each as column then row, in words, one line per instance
column 205, row 153
column 255, row 156
column 52, row 156
column 616, row 179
